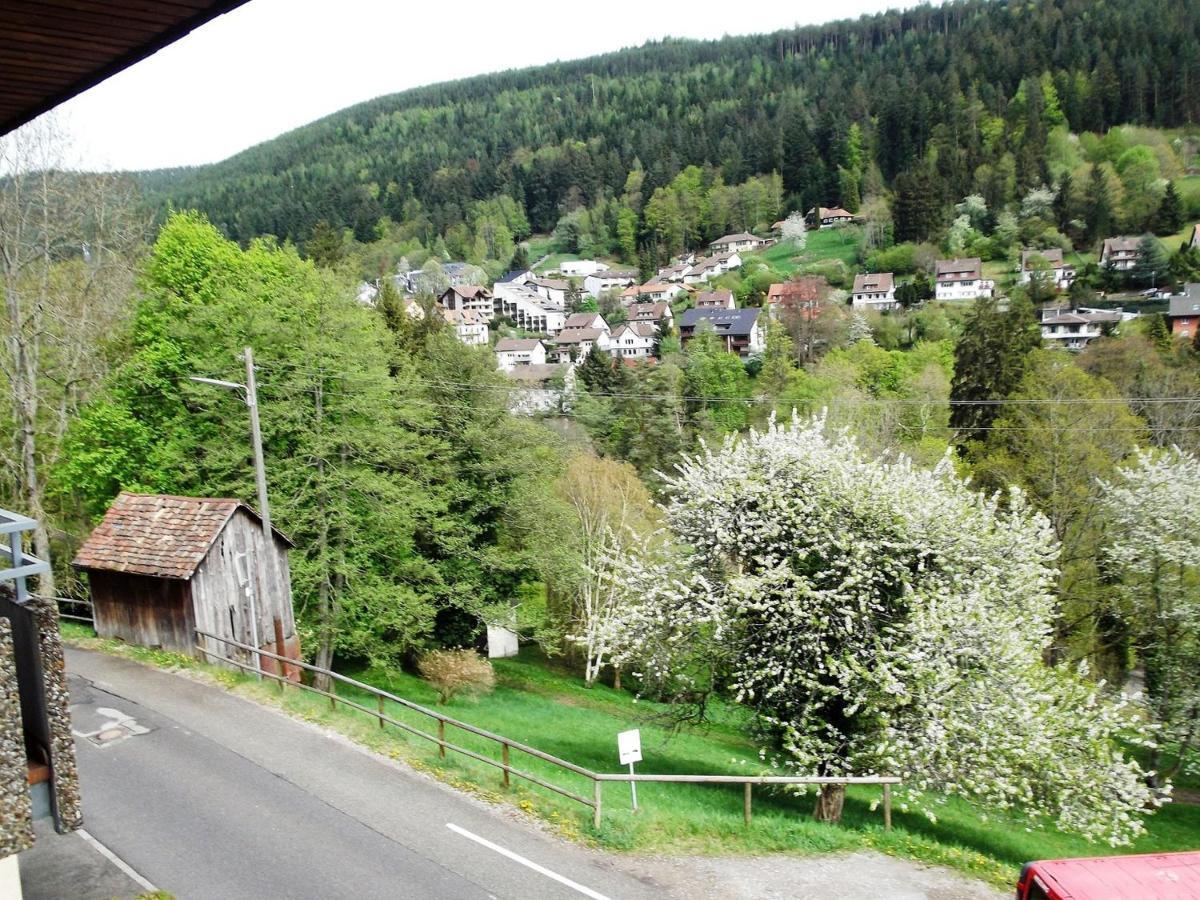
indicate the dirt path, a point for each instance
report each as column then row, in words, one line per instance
column 854, row 876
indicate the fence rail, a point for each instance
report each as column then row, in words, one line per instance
column 507, row 745
column 75, row 605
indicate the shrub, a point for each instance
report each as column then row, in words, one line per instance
column 453, row 672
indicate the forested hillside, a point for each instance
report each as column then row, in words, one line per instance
column 972, row 89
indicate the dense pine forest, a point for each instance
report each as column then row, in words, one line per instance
column 960, row 98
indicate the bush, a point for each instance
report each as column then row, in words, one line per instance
column 453, row 672
column 835, row 271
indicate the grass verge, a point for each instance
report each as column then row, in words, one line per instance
column 539, row 704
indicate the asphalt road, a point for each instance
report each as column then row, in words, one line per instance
column 209, row 796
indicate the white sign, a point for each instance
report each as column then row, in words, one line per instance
column 629, row 746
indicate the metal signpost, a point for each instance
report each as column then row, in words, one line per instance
column 629, row 748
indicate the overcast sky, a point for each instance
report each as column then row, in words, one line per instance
column 273, row 65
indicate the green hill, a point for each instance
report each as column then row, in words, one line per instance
column 840, row 111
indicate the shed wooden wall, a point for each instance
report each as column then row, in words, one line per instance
column 230, row 574
column 143, row 610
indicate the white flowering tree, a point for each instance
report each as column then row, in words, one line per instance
column 795, row 230
column 878, row 618
column 1154, row 545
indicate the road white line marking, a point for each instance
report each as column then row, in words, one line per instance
column 115, row 860
column 516, row 857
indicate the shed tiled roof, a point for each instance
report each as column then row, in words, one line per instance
column 157, row 534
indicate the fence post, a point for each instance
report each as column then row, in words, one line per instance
column 887, row 807
column 442, row 738
column 504, row 759
column 281, row 650
column 379, row 703
column 596, row 803
column 332, row 695
column 746, row 802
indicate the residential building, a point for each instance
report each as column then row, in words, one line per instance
column 961, row 279
column 574, row 344
column 470, row 326
column 826, row 217
column 586, row 320
column 1049, row 261
column 541, row 388
column 633, row 340
column 528, row 310
column 715, row 300
column 874, row 290
column 654, row 313
column 554, row 289
column 652, row 292
column 711, row 267
column 613, row 279
column 1074, row 329
column 735, row 243
column 468, row 297
column 739, row 329
column 515, row 277
column 1184, row 312
column 1120, row 253
column 513, row 352
column 672, row 273
column 804, row 295
column 581, row 268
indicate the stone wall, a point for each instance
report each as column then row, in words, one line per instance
column 16, row 818
column 68, row 810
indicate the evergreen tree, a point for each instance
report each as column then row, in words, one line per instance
column 1158, row 331
column 918, row 206
column 1169, row 218
column 1152, row 266
column 989, row 362
column 520, row 259
column 1099, row 215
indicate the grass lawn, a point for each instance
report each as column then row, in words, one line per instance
column 828, row 243
column 539, row 704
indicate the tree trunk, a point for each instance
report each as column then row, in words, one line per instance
column 616, row 678
column 830, row 801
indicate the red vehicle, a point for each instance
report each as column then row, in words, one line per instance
column 1152, row 876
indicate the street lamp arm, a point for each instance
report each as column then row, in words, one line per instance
column 216, row 382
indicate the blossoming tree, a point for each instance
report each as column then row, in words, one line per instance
column 878, row 618
column 1154, row 545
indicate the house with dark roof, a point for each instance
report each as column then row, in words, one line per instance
column 961, row 279
column 1184, row 312
column 828, row 217
column 1120, row 253
column 873, row 290
column 1049, row 262
column 738, row 329
column 161, row 568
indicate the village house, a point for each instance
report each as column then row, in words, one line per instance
column 1184, row 312
column 586, row 320
column 651, row 292
column 825, row 217
column 654, row 313
column 1120, row 253
column 529, row 310
column 961, row 279
column 672, row 273
column 711, row 267
column 553, row 289
column 634, row 340
column 574, row 344
column 715, row 300
column 739, row 329
column 541, row 388
column 468, row 297
column 1074, row 329
column 804, row 295
column 613, row 279
column 513, row 352
column 875, row 290
column 735, row 243
column 1048, row 261
column 581, row 268
column 470, row 326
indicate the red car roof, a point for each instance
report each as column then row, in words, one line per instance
column 1151, row 876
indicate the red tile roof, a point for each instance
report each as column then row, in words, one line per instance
column 157, row 535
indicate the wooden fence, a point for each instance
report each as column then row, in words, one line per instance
column 508, row 745
column 80, row 610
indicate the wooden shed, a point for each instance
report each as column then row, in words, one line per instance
column 161, row 567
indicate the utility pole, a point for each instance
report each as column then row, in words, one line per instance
column 266, row 558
